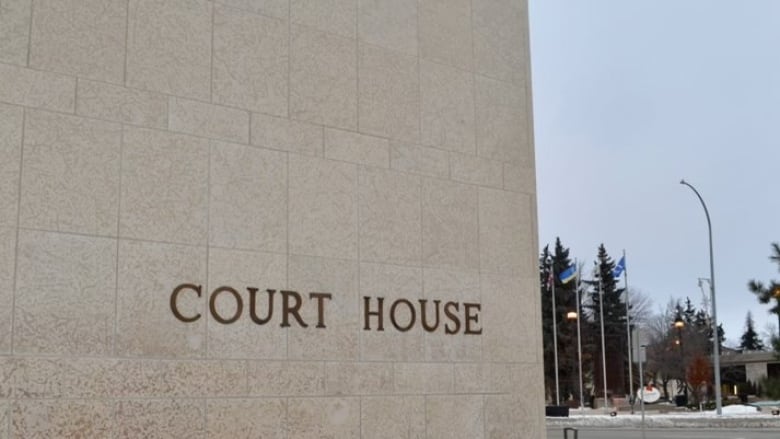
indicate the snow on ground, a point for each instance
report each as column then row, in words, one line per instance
column 733, row 416
column 736, row 409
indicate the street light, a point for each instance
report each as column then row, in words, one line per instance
column 572, row 316
column 551, row 279
column 679, row 324
column 716, row 334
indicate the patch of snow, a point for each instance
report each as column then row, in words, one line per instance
column 737, row 409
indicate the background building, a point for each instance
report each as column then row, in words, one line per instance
column 372, row 148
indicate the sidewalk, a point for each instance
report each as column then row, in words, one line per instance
column 735, row 416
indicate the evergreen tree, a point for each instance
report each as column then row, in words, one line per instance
column 771, row 291
column 614, row 326
column 750, row 340
column 565, row 300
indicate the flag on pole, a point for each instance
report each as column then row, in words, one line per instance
column 568, row 274
column 619, row 268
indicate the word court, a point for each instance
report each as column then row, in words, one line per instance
column 290, row 308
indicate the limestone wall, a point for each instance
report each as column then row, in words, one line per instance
column 354, row 149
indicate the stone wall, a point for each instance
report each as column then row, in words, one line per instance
column 351, row 148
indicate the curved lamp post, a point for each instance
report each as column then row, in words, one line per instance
column 716, row 334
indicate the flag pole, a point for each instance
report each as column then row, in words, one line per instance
column 555, row 332
column 579, row 336
column 603, row 347
column 628, row 332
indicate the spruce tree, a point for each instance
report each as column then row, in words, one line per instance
column 771, row 291
column 565, row 298
column 750, row 340
column 614, row 327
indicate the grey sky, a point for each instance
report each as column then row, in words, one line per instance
column 632, row 96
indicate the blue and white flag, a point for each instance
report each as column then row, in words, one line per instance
column 568, row 274
column 619, row 268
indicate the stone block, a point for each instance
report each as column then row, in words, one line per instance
column 391, row 24
column 164, row 187
column 460, row 286
column 246, row 418
column 503, row 125
column 449, row 225
column 206, row 120
column 391, row 282
column 85, row 38
column 357, row 148
column 332, row 16
column 323, row 78
column 476, row 170
column 447, row 108
column 393, row 417
column 15, row 18
column 445, row 32
column 389, row 212
column 500, row 39
column 65, row 294
column 248, row 198
column 314, row 418
column 62, row 418
column 148, row 273
column 339, row 339
column 424, row 378
column 358, row 378
column 250, row 61
column 389, row 95
column 7, row 267
column 11, row 118
column 161, row 418
column 505, row 233
column 322, row 207
column 244, row 338
column 287, row 135
column 35, row 88
column 422, row 160
column 459, row 416
column 169, row 47
column 70, row 176
column 286, row 378
column 121, row 104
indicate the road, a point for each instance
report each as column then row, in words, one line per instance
column 666, row 433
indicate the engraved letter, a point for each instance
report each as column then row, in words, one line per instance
column 453, row 317
column 320, row 307
column 175, row 296
column 213, row 305
column 252, row 309
column 412, row 316
column 294, row 310
column 367, row 314
column 425, row 325
column 467, row 307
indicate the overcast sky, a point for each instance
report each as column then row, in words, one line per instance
column 632, row 96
